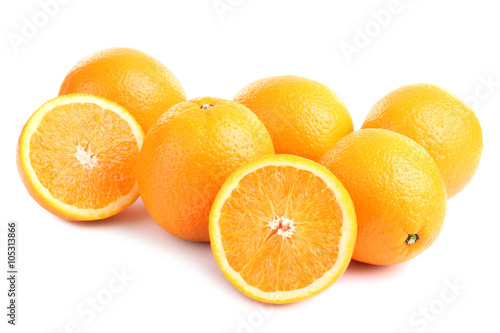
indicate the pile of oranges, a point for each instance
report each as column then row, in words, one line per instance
column 276, row 179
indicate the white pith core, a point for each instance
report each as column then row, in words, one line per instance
column 86, row 157
column 282, row 226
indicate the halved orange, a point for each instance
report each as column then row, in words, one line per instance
column 77, row 157
column 282, row 229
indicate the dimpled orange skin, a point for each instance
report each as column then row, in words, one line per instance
column 440, row 122
column 131, row 78
column 188, row 154
column 304, row 117
column 397, row 191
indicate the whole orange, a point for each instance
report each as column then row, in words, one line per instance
column 188, row 154
column 304, row 117
column 131, row 78
column 440, row 122
column 398, row 194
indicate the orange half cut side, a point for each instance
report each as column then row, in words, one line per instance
column 282, row 229
column 77, row 157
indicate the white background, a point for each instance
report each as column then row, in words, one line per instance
column 176, row 285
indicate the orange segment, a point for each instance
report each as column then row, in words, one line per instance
column 282, row 228
column 77, row 156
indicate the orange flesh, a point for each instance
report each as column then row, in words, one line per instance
column 87, row 160
column 283, row 255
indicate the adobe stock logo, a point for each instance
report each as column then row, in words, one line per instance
column 94, row 305
column 255, row 319
column 222, row 7
column 487, row 88
column 34, row 23
column 421, row 319
column 363, row 36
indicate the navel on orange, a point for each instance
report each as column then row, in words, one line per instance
column 282, row 229
column 77, row 157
